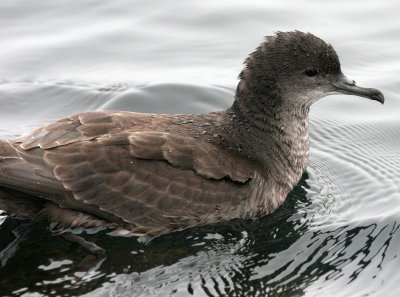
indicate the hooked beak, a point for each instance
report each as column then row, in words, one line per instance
column 347, row 86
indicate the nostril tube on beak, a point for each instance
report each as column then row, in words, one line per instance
column 349, row 82
column 347, row 86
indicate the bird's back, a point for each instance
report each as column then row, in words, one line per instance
column 151, row 173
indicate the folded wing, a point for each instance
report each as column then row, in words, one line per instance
column 155, row 181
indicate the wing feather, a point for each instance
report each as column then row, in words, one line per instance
column 157, row 181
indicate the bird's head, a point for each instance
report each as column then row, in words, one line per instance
column 296, row 68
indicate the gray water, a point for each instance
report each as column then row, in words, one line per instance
column 338, row 232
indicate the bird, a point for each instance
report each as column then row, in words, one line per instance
column 151, row 174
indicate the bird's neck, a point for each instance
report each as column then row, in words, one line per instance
column 272, row 134
column 266, row 111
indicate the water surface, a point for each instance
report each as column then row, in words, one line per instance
column 338, row 232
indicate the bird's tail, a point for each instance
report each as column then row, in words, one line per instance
column 19, row 205
column 14, row 202
column 6, row 151
column 18, row 194
column 10, row 162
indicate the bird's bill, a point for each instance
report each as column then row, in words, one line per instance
column 347, row 86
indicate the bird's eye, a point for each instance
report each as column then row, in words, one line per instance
column 310, row 72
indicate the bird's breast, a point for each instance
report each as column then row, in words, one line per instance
column 285, row 159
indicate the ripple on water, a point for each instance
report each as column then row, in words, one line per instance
column 178, row 98
column 64, row 98
column 365, row 163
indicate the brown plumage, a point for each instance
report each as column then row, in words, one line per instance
column 152, row 174
column 145, row 171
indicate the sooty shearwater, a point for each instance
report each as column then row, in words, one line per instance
column 156, row 173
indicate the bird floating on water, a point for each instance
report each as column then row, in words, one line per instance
column 150, row 174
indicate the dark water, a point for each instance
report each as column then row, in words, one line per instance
column 338, row 232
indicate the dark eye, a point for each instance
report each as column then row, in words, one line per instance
column 310, row 72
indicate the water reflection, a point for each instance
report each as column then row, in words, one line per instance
column 211, row 260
